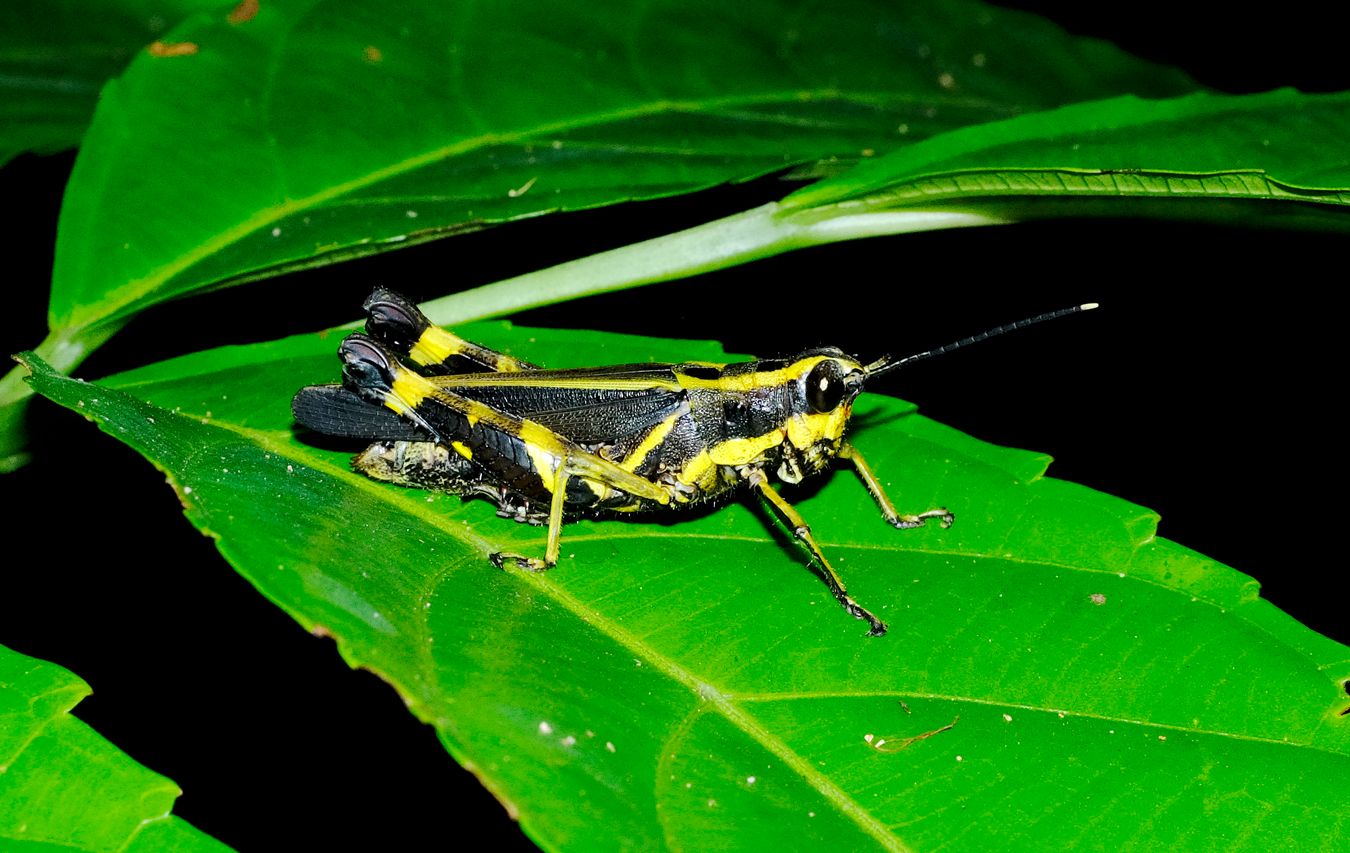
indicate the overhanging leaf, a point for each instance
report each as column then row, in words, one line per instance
column 53, row 768
column 356, row 126
column 685, row 680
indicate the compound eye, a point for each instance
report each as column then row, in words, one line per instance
column 825, row 387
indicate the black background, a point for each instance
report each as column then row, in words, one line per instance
column 1200, row 390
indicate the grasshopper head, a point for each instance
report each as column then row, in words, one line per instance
column 824, row 392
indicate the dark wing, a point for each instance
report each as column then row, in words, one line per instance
column 333, row 410
column 587, row 405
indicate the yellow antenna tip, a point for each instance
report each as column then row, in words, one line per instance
column 1088, row 306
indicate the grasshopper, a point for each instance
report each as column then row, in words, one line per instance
column 548, row 445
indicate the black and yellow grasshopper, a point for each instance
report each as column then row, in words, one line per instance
column 546, row 445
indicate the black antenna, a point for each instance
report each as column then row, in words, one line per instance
column 885, row 363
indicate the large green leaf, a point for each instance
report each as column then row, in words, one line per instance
column 690, row 684
column 62, row 786
column 55, row 56
column 362, row 126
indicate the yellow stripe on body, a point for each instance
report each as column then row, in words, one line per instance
column 654, row 439
column 545, row 464
column 542, row 379
column 753, row 379
column 743, row 451
column 408, row 389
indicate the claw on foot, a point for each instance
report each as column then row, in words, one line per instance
column 905, row 522
column 529, row 564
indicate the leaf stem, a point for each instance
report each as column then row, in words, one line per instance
column 63, row 349
column 753, row 234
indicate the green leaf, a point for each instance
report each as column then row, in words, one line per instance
column 686, row 682
column 54, row 767
column 367, row 127
column 55, row 56
column 1279, row 146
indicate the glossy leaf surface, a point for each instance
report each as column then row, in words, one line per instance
column 322, row 128
column 62, row 786
column 1053, row 669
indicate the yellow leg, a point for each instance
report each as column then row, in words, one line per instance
column 555, row 515
column 873, row 486
column 555, row 522
column 802, row 532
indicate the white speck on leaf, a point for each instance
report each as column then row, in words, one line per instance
column 522, row 189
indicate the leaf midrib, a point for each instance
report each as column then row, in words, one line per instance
column 792, row 696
